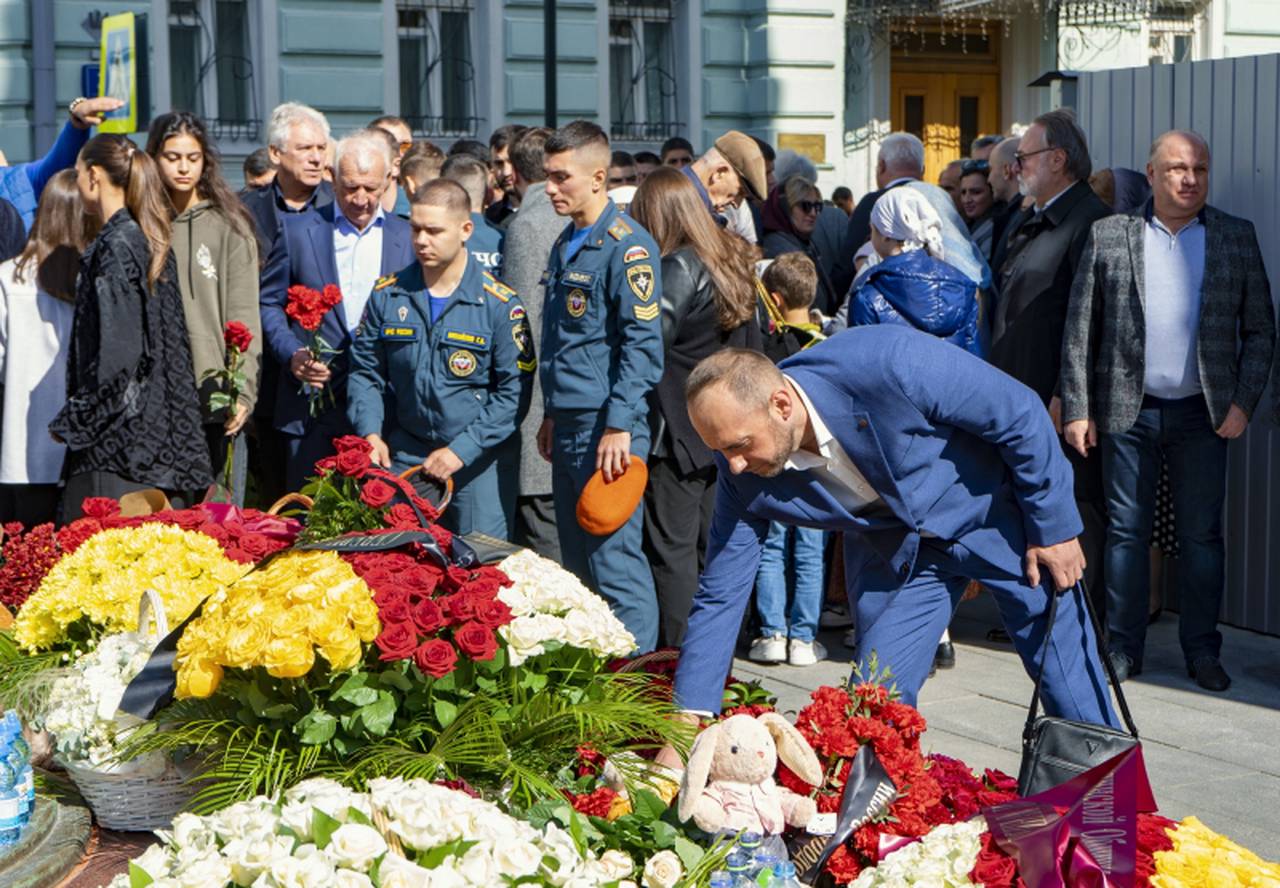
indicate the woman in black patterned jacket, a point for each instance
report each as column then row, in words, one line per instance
column 131, row 420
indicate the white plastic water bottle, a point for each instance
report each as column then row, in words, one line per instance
column 784, row 875
column 721, row 879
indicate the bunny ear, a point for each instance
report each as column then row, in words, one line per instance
column 698, row 769
column 793, row 750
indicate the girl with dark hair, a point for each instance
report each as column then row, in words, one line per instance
column 217, row 259
column 708, row 303
column 131, row 420
column 789, row 218
column 37, row 293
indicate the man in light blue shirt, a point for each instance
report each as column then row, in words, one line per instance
column 1173, row 271
column 357, row 250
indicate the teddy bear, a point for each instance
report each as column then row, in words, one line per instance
column 728, row 783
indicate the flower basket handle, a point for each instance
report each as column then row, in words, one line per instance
column 289, row 499
column 436, row 492
column 151, row 608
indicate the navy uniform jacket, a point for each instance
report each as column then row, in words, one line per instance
column 955, row 448
column 602, row 324
column 463, row 382
column 485, row 245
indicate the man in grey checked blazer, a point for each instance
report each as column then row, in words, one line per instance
column 1168, row 346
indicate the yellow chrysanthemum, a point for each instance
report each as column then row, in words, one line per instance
column 1201, row 857
column 302, row 604
column 102, row 580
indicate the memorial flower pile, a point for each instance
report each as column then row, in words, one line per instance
column 1196, row 855
column 94, row 590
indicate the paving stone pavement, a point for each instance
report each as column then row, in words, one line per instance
column 1216, row 756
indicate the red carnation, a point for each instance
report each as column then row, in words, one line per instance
column 238, row 336
column 396, row 641
column 99, row 507
column 476, row 641
column 493, row 613
column 375, row 494
column 427, row 616
column 436, row 657
column 353, row 463
column 594, row 804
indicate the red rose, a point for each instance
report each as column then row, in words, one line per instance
column 99, row 507
column 353, row 463
column 400, row 517
column 443, row 537
column 327, row 464
column 351, row 442
column 435, row 657
column 375, row 494
column 476, row 641
column 395, row 612
column 217, row 532
column 493, row 613
column 993, row 868
column 455, row 578
column 256, row 545
column 236, row 335
column 427, row 616
column 397, row 641
column 235, row 553
column 422, row 578
column 459, row 608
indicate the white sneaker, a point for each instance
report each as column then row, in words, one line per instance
column 851, row 639
column 806, row 653
column 835, row 616
column 768, row 649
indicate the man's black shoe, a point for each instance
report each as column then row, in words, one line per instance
column 1209, row 674
column 945, row 658
column 998, row 636
column 1123, row 666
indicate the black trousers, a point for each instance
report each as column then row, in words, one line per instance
column 31, row 504
column 677, row 515
column 535, row 525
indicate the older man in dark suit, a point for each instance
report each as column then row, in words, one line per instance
column 350, row 243
column 1033, row 267
column 1168, row 347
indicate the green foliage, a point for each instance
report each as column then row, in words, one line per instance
column 25, row 678
column 337, row 508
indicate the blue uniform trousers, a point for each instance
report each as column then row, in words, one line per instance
column 484, row 492
column 902, row 626
column 614, row 565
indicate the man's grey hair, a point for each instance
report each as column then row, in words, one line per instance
column 790, row 163
column 285, row 117
column 748, row 376
column 1190, row 135
column 902, row 151
column 985, row 141
column 363, row 148
column 1062, row 131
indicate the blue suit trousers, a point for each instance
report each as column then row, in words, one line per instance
column 902, row 626
column 614, row 565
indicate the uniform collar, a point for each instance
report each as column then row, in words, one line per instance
column 469, row 288
column 600, row 230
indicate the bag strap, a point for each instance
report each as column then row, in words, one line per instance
column 1114, row 682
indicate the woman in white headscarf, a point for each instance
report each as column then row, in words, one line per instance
column 912, row 284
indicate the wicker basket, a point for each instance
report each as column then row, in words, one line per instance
column 132, row 798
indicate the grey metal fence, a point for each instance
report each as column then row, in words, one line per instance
column 1235, row 104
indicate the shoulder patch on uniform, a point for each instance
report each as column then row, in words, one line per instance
column 528, row 366
column 618, row 230
column 640, row 279
column 497, row 288
column 635, row 254
column 516, row 313
column 383, row 282
column 647, row 312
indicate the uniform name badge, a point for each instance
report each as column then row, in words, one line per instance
column 462, row 363
column 399, row 332
column 576, row 303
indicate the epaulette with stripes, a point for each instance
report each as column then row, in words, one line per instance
column 497, row 289
column 618, row 230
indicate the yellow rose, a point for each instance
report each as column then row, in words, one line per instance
column 290, row 622
column 343, row 650
column 290, row 657
column 245, row 645
column 198, row 677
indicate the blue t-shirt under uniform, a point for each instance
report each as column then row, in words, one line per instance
column 576, row 240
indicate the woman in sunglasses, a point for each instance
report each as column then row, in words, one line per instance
column 977, row 203
column 790, row 217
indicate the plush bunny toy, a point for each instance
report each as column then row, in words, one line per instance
column 728, row 784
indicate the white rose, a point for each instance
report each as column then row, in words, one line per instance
column 517, row 858
column 616, row 864
column 190, row 831
column 477, row 866
column 356, row 846
column 251, row 857
column 212, row 869
column 345, row 878
column 662, row 870
column 156, row 861
column 396, row 872
column 309, row 872
column 296, row 817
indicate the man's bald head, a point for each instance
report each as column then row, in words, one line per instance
column 743, row 407
column 738, row 373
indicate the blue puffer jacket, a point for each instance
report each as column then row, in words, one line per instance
column 916, row 290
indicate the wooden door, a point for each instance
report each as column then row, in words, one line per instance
column 947, row 111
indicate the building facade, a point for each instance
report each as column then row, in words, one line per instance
column 826, row 77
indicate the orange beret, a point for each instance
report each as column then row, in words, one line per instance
column 604, row 506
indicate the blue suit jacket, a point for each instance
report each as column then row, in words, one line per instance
column 303, row 254
column 956, row 449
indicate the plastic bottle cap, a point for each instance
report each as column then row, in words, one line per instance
column 784, row 869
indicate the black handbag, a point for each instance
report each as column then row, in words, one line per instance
column 1056, row 749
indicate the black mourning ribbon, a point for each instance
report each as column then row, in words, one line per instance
column 867, row 793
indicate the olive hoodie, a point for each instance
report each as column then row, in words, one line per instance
column 218, row 277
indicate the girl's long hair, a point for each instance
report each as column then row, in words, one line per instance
column 211, row 186
column 669, row 208
column 60, row 234
column 128, row 167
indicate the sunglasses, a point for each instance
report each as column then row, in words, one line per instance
column 1019, row 157
column 809, row 206
column 974, row 166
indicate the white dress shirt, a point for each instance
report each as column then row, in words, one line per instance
column 831, row 464
column 358, row 255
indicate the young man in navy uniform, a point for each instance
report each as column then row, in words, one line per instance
column 602, row 353
column 442, row 366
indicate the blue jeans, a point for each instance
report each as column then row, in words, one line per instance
column 771, row 582
column 1197, row 460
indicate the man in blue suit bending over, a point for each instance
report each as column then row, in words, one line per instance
column 937, row 467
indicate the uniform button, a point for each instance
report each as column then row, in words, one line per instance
column 905, row 570
column 862, row 425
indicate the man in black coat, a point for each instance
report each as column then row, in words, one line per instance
column 1033, row 268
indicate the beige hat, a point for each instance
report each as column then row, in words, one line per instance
column 743, row 154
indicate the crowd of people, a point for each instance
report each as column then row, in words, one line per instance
column 520, row 316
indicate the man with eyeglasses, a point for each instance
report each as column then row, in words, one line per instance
column 1033, row 268
column 1003, row 179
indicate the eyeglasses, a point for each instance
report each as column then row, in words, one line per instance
column 809, row 206
column 974, row 166
column 1019, row 157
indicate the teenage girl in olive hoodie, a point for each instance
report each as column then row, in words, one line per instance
column 217, row 256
